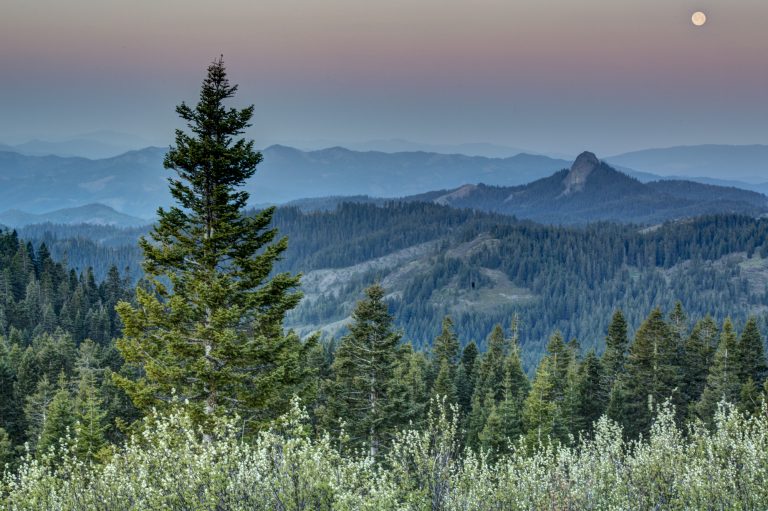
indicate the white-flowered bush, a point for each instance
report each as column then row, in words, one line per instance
column 171, row 466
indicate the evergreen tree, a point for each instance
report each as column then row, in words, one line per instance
column 445, row 352
column 750, row 400
column 540, row 410
column 751, row 354
column 446, row 345
column 723, row 382
column 699, row 354
column 516, row 384
column 36, row 409
column 60, row 420
column 91, row 423
column 364, row 367
column 445, row 383
column 215, row 336
column 490, row 376
column 615, row 355
column 465, row 378
column 651, row 374
column 591, row 399
column 410, row 395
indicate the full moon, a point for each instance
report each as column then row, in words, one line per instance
column 699, row 18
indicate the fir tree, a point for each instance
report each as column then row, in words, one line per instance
column 36, row 409
column 215, row 336
column 723, row 382
column 615, row 355
column 445, row 384
column 446, row 345
column 465, row 378
column 490, row 376
column 751, row 354
column 652, row 376
column 60, row 420
column 91, row 425
column 364, row 367
column 699, row 354
column 540, row 410
column 591, row 399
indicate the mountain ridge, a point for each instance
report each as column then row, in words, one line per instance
column 94, row 214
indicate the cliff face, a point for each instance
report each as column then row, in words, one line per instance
column 580, row 170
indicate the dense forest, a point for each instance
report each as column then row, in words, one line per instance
column 483, row 269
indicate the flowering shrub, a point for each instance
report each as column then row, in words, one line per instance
column 172, row 466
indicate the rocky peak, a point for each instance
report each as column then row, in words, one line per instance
column 585, row 163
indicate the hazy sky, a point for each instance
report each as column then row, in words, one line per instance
column 549, row 75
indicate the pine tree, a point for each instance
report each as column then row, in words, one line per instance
column 364, row 367
column 36, row 409
column 445, row 351
column 91, row 425
column 446, row 345
column 540, row 409
column 410, row 395
column 490, row 376
column 751, row 354
column 652, row 376
column 445, row 384
column 465, row 378
column 723, row 382
column 215, row 336
column 699, row 354
column 516, row 384
column 561, row 357
column 591, row 400
column 615, row 355
column 60, row 421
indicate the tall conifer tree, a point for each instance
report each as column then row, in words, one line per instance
column 215, row 335
column 615, row 355
column 723, row 380
column 751, row 353
column 364, row 367
column 652, row 375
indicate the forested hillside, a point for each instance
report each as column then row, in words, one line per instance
column 484, row 269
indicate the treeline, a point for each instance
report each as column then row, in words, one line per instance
column 570, row 279
column 57, row 331
column 377, row 386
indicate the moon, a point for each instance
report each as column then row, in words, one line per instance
column 698, row 18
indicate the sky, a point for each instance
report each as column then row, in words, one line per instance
column 555, row 76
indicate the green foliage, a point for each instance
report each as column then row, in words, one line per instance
column 6, row 450
column 651, row 374
column 215, row 336
column 751, row 354
column 172, row 466
column 723, row 382
column 91, row 426
column 364, row 366
column 615, row 354
column 59, row 420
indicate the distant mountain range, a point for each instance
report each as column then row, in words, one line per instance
column 593, row 191
column 134, row 183
column 96, row 214
column 747, row 163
